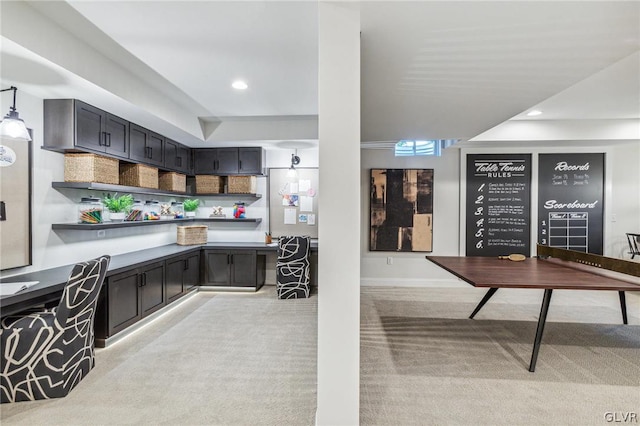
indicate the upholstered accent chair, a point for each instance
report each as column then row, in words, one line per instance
column 46, row 354
column 292, row 267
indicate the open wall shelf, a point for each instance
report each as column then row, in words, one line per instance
column 144, row 191
column 110, row 225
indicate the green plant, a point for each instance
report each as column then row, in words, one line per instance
column 190, row 205
column 118, row 204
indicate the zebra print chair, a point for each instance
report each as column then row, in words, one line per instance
column 46, row 354
column 292, row 267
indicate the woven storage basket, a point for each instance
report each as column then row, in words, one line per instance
column 193, row 234
column 242, row 185
column 206, row 184
column 172, row 181
column 90, row 168
column 139, row 175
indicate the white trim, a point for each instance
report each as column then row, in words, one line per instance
column 410, row 282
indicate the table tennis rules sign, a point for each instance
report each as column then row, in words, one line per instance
column 498, row 204
column 570, row 201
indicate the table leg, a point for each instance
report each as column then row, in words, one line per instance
column 484, row 300
column 541, row 321
column 623, row 306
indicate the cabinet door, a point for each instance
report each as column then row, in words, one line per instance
column 184, row 160
column 90, row 122
column 152, row 296
column 174, row 273
column 171, row 154
column 191, row 276
column 227, row 161
column 217, row 269
column 123, row 293
column 155, row 143
column 117, row 136
column 250, row 161
column 243, row 268
column 138, row 143
column 204, row 161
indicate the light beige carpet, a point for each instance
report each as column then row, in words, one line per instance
column 424, row 363
column 249, row 359
column 219, row 359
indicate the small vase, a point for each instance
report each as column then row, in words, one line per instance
column 190, row 214
column 116, row 217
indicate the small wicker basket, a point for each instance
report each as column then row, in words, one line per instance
column 139, row 175
column 191, row 235
column 172, row 181
column 242, row 185
column 90, row 168
column 206, row 184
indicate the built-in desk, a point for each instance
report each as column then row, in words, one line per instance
column 52, row 281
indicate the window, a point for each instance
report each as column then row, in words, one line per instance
column 407, row 148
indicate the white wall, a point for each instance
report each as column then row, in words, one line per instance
column 622, row 208
column 56, row 248
column 411, row 269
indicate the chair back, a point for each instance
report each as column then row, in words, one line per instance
column 634, row 244
column 80, row 296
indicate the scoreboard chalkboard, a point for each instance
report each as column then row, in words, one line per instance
column 571, row 201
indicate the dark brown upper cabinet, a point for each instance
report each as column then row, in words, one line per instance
column 70, row 124
column 229, row 161
column 177, row 157
column 146, row 146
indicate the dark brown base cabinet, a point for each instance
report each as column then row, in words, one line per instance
column 233, row 268
column 127, row 298
column 182, row 274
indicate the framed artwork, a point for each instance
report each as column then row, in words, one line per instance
column 401, row 210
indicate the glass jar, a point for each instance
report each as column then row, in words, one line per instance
column 90, row 211
column 178, row 210
column 137, row 212
column 152, row 210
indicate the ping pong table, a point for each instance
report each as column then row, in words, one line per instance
column 552, row 269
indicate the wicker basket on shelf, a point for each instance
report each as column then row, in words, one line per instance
column 172, row 181
column 191, row 235
column 139, row 175
column 90, row 168
column 242, row 185
column 206, row 184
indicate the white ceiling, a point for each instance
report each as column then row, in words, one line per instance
column 430, row 69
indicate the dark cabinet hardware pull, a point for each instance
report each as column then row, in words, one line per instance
column 228, row 259
column 108, row 139
column 103, row 136
column 186, row 264
column 232, row 259
column 239, row 164
column 150, row 152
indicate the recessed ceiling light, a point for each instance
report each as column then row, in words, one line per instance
column 239, row 84
column 534, row 112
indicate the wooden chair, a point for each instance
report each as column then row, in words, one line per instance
column 46, row 354
column 634, row 244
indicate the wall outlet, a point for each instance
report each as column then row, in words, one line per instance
column 614, row 217
column 101, row 233
column 389, row 260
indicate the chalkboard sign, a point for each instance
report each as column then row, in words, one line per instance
column 570, row 201
column 498, row 204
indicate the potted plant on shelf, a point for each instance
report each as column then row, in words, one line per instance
column 118, row 206
column 190, row 207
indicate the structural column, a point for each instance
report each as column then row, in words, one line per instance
column 339, row 224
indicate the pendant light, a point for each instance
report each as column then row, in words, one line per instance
column 12, row 126
column 295, row 160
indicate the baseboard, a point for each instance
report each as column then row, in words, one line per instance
column 410, row 282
